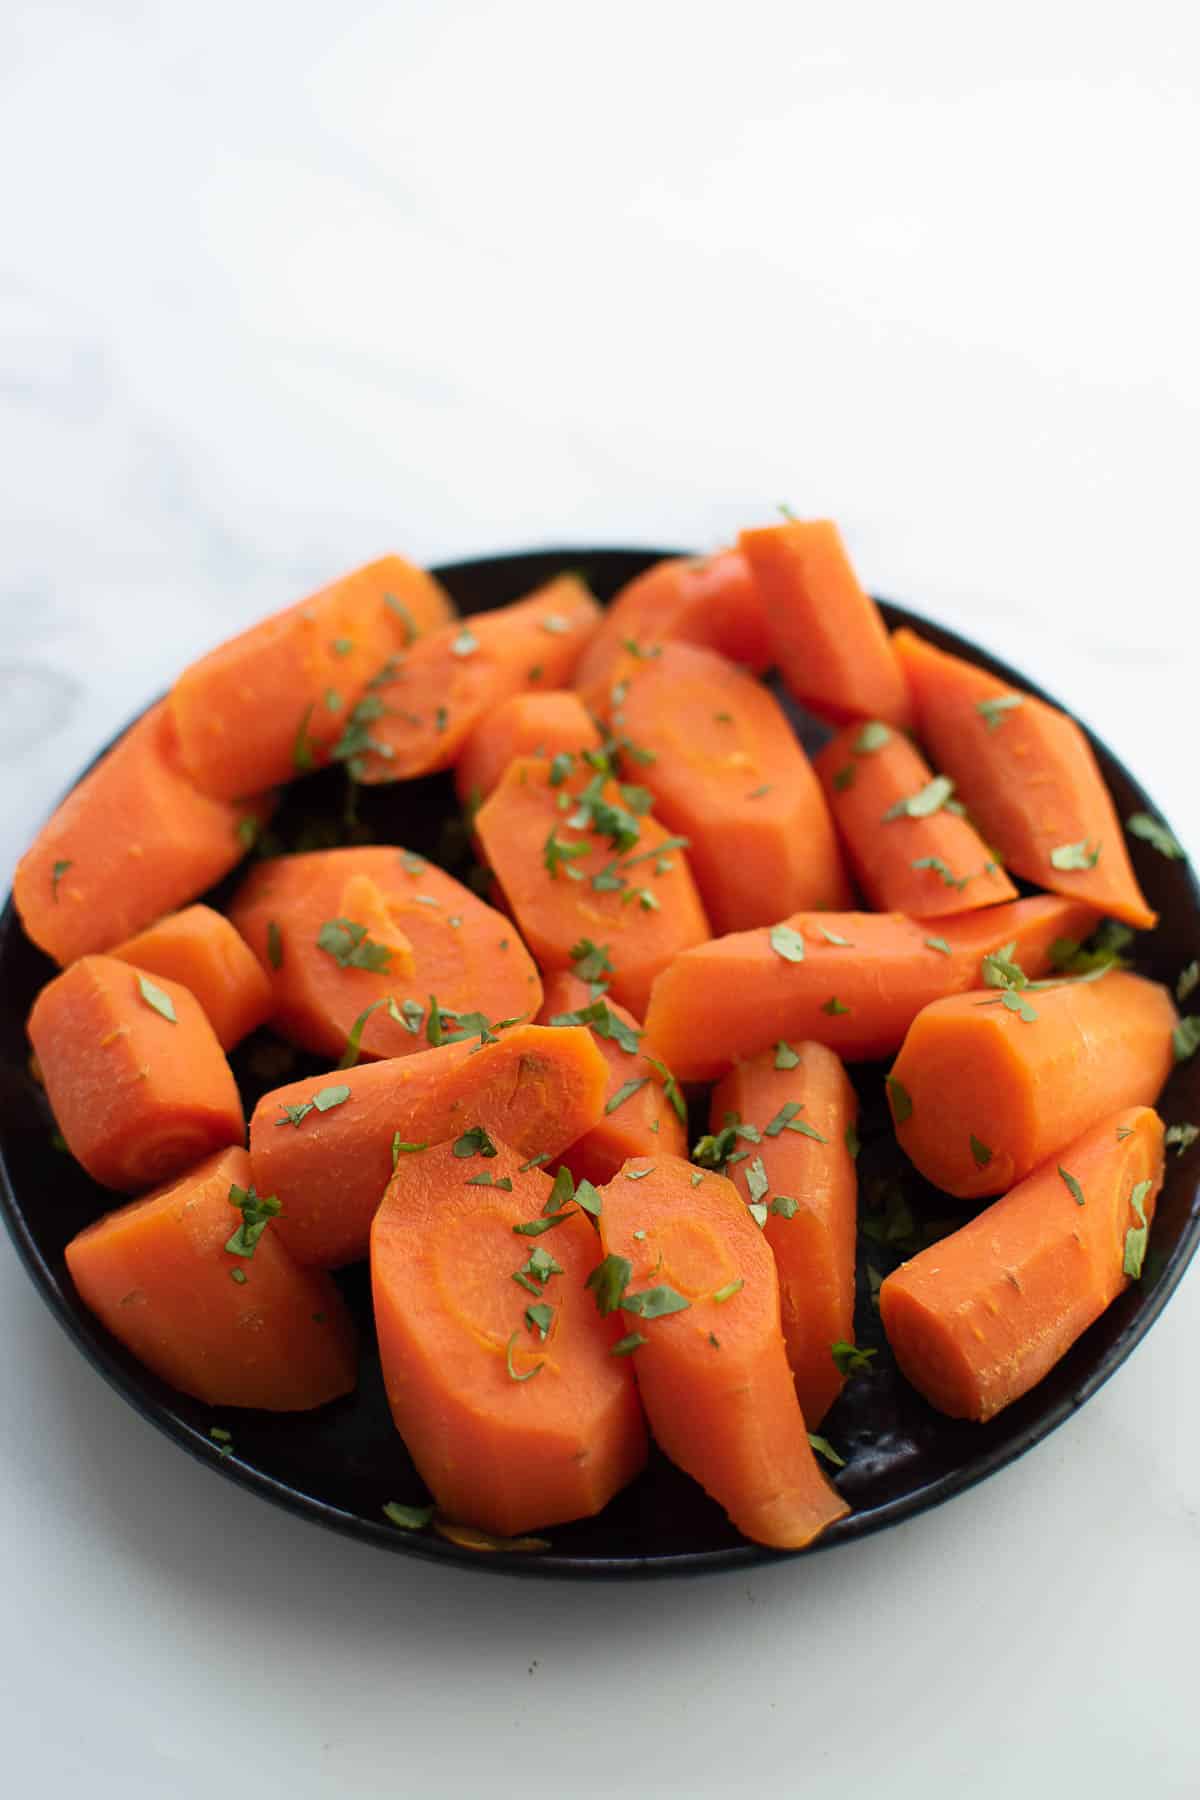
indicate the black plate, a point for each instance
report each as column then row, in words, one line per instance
column 339, row 1465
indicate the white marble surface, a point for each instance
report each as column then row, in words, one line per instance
column 283, row 286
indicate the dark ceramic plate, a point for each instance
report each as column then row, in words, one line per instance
column 338, row 1466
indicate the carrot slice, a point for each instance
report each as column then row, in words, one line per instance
column 273, row 702
column 827, row 635
column 422, row 933
column 979, row 1318
column 134, row 1074
column 981, row 1095
column 505, row 1391
column 643, row 1109
column 523, row 725
column 328, row 1146
column 854, row 981
column 727, row 771
column 575, row 863
column 200, row 949
column 134, row 839
column 911, row 852
column 800, row 1168
column 230, row 1329
column 455, row 677
column 703, row 1295
column 1030, row 778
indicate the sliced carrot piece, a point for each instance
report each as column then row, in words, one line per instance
column 328, row 1146
column 801, row 1169
column 827, row 634
column 419, row 933
column 522, row 725
column 135, row 1077
column 1029, row 777
column 200, row 949
column 703, row 1294
column 910, row 850
column 505, row 1391
column 981, row 1095
column 980, row 1317
column 132, row 840
column 854, row 981
column 230, row 1329
column 593, row 878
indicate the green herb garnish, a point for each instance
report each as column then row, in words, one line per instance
column 848, row 1359
column 900, row 1098
column 995, row 711
column 350, row 947
column 980, row 1152
column 257, row 1212
column 408, row 1518
column 1136, row 1237
column 873, row 736
column 1075, row 856
column 787, row 943
column 154, row 997
column 1073, row 1187
column 474, row 1142
column 785, row 1056
column 1152, row 831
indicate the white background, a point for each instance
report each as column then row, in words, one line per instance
column 284, row 286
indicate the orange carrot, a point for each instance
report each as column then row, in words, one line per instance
column 981, row 1095
column 643, row 1108
column 575, row 862
column 697, row 1283
column 727, row 771
column 827, row 635
column 200, row 949
column 134, row 1074
column 800, row 1170
column 274, row 702
column 1029, row 777
column 860, row 981
column 911, row 851
column 233, row 1328
column 523, row 725
column 134, row 839
column 499, row 1370
column 980, row 1317
column 460, row 674
column 374, row 927
column 328, row 1146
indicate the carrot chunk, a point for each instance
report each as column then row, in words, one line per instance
column 523, row 725
column 201, row 949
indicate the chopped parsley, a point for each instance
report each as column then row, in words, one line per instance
column 844, row 778
column 485, row 1178
column 539, row 1318
column 923, row 804
column 1073, row 1187
column 246, row 831
column 671, row 1091
column 559, row 853
column 654, row 1303
column 625, row 1092
column 354, row 1041
column 833, row 1006
column 785, row 1056
column 787, row 943
column 994, row 712
column 729, row 1290
column 508, row 1361
column 1188, row 981
column 848, row 1359
column 833, row 937
column 1181, row 1137
column 592, row 961
column 408, row 1518
column 257, row 1212
column 1075, row 856
column 981, row 1152
column 154, row 997
column 939, row 944
column 403, row 1147
column 604, row 1022
column 853, row 1144
column 1136, row 1237
column 900, row 1098
column 1185, row 1039
column 824, row 1448
column 942, row 868
column 633, row 1340
column 873, row 736
column 350, row 947
column 784, row 1206
column 57, row 872
column 474, row 1142
column 608, row 1281
column 405, row 617
column 1152, row 831
column 756, row 1180
column 465, row 644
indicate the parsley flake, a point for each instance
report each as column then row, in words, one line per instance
column 57, row 872
column 403, row 1147
column 787, row 943
column 508, row 1361
column 834, row 1007
column 942, row 868
column 756, row 1179
column 824, row 1448
column 592, row 961
column 654, row 1303
column 633, row 1340
column 1136, row 1237
column 900, row 1098
column 408, row 1518
column 465, row 644
column 257, row 1212
column 923, row 804
column 1185, row 1039
column 835, row 938
column 474, row 1142
column 1181, row 1137
column 608, row 1281
column 784, row 1206
column 729, row 1290
column 350, row 947
column 1152, row 831
column 939, row 944
column 994, row 712
column 980, row 1152
column 785, row 1056
column 873, row 736
column 154, row 997
column 1075, row 856
column 844, row 778
column 1073, row 1187
column 1189, row 980
column 848, row 1359
column 539, row 1318
column 625, row 1092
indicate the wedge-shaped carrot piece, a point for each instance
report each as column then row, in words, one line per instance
column 134, row 839
column 499, row 1370
column 981, row 1095
column 273, row 702
column 200, row 949
column 910, row 850
column 1029, row 777
column 230, row 1328
column 827, row 634
column 854, row 981
column 800, row 1169
column 328, row 1146
column 455, row 677
column 727, row 771
column 341, row 931
column 643, row 1108
column 523, row 725
column 575, row 862
column 698, row 1286
column 980, row 1317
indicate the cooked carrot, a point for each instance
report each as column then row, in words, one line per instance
column 458, row 675
column 200, row 949
column 135, row 1077
column 980, row 1317
column 277, row 700
column 328, row 1146
column 800, row 1169
column 341, row 931
column 133, row 840
column 701, row 1291
column 1029, row 777
column 910, row 849
column 827, row 635
column 726, row 770
column 575, row 862
column 499, row 1370
column 854, row 981
column 523, row 725
column 233, row 1328
column 981, row 1095
column 642, row 1106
